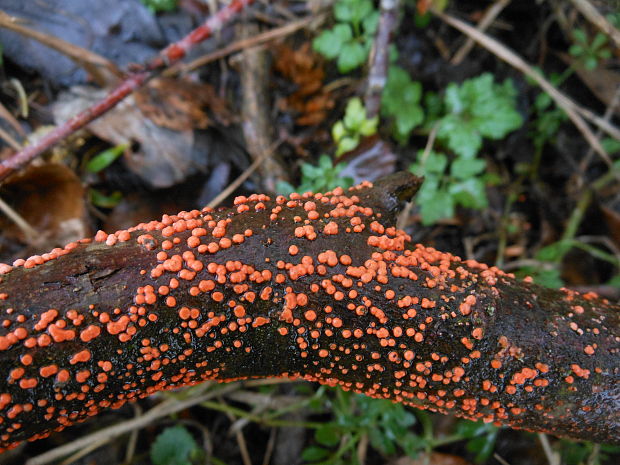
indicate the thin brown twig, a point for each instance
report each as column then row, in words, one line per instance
column 500, row 459
column 241, row 44
column 83, row 452
column 107, row 434
column 243, row 176
column 10, row 140
column 171, row 54
column 271, row 442
column 379, row 59
column 133, row 437
column 611, row 108
column 238, row 433
column 552, row 457
column 492, row 12
column 8, row 116
column 22, row 98
column 510, row 57
column 29, row 232
column 595, row 17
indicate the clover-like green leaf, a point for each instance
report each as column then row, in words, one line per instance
column 460, row 136
column 330, row 42
column 462, row 168
column 351, row 56
column 352, row 11
column 174, row 446
column 400, row 100
column 104, row 159
column 469, row 192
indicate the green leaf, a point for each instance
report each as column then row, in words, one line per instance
column 482, row 446
column 399, row 91
column 434, row 106
column 463, row 168
column 554, row 252
column 611, row 145
column 453, row 99
column 590, row 63
column 160, row 5
column 599, row 41
column 438, row 207
column 355, row 114
column 338, row 131
column 370, row 24
column 323, row 177
column 435, row 162
column 460, row 136
column 470, row 193
column 327, row 435
column 548, row 277
column 412, row 444
column 478, row 108
column 310, row 171
column 369, row 126
column 576, row 50
column 579, row 35
column 407, row 120
column 347, row 144
column 542, row 101
column 325, row 163
column 435, row 202
column 352, row 11
column 329, row 43
column 99, row 199
column 429, row 189
column 104, row 159
column 314, row 454
column 351, row 56
column 174, row 446
column 400, row 100
column 381, row 441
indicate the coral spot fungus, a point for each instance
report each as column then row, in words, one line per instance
column 316, row 286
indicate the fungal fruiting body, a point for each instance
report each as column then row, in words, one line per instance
column 314, row 286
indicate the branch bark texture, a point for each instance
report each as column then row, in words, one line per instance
column 315, row 286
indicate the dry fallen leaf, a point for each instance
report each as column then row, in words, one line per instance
column 162, row 157
column 50, row 198
column 180, row 105
column 304, row 68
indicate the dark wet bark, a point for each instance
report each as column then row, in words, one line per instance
column 355, row 306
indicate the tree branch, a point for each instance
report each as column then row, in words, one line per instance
column 318, row 287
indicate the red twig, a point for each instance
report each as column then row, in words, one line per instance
column 171, row 54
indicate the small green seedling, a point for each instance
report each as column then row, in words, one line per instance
column 476, row 109
column 385, row 424
column 175, row 446
column 401, row 101
column 157, row 6
column 350, row 40
column 104, row 159
column 101, row 200
column 587, row 52
column 321, row 178
column 442, row 190
column 355, row 125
